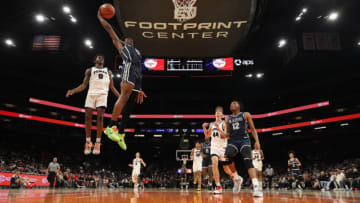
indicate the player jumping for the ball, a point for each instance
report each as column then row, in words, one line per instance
column 131, row 81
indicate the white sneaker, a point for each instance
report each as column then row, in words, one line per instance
column 257, row 192
column 237, row 185
column 218, row 190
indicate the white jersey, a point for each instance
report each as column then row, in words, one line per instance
column 99, row 81
column 136, row 166
column 256, row 155
column 216, row 140
column 197, row 155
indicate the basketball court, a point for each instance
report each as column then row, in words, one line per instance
column 163, row 196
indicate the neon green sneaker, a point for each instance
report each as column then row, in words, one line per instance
column 112, row 133
column 121, row 142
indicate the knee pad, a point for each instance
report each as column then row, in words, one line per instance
column 246, row 155
column 231, row 151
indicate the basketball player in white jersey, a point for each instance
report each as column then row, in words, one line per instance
column 136, row 165
column 197, row 157
column 257, row 156
column 99, row 79
column 217, row 152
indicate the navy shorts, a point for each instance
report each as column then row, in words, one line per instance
column 296, row 173
column 132, row 74
column 207, row 162
column 242, row 146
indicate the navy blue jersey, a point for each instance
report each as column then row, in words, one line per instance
column 206, row 148
column 130, row 55
column 293, row 164
column 238, row 127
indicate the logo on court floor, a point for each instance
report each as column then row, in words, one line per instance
column 184, row 10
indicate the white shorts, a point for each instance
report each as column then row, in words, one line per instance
column 219, row 152
column 135, row 173
column 197, row 166
column 94, row 101
column 257, row 165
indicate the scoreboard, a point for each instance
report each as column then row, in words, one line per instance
column 197, row 66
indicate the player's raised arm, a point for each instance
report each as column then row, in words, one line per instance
column 207, row 133
column 117, row 42
column 83, row 85
column 253, row 130
column 112, row 87
column 142, row 162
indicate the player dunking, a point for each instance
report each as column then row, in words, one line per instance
column 131, row 80
column 236, row 127
column 99, row 79
column 196, row 156
column 136, row 165
column 218, row 145
column 206, row 164
column 257, row 157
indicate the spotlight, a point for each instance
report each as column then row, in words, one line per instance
column 118, row 75
column 9, row 43
column 40, row 18
column 333, row 16
column 249, row 75
column 358, row 43
column 304, row 10
column 259, row 75
column 66, row 9
column 282, row 43
column 88, row 42
column 72, row 19
column 298, row 18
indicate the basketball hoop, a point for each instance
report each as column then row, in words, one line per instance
column 184, row 10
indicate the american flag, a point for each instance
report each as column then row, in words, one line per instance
column 46, row 43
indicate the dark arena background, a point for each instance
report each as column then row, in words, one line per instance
column 293, row 65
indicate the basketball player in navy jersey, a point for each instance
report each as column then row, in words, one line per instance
column 236, row 128
column 207, row 165
column 131, row 80
column 99, row 79
column 294, row 167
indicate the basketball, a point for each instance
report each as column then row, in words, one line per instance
column 107, row 11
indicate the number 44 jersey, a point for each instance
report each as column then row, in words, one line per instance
column 99, row 81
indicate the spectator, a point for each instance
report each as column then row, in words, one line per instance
column 269, row 173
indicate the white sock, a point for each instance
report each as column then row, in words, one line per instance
column 235, row 176
column 255, row 182
column 88, row 139
column 98, row 139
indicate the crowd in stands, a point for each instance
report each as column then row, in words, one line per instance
column 319, row 176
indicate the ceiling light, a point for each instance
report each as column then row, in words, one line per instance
column 157, row 135
column 9, row 42
column 249, row 75
column 282, row 43
column 72, row 19
column 66, row 9
column 358, row 43
column 333, row 16
column 277, row 134
column 88, row 42
column 40, row 18
column 344, row 124
column 259, row 75
column 118, row 75
column 298, row 18
column 319, row 128
column 139, row 135
column 297, row 131
column 304, row 10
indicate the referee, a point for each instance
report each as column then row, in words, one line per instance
column 52, row 171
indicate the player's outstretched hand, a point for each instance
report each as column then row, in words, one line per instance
column 257, row 145
column 69, row 93
column 205, row 125
column 140, row 97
